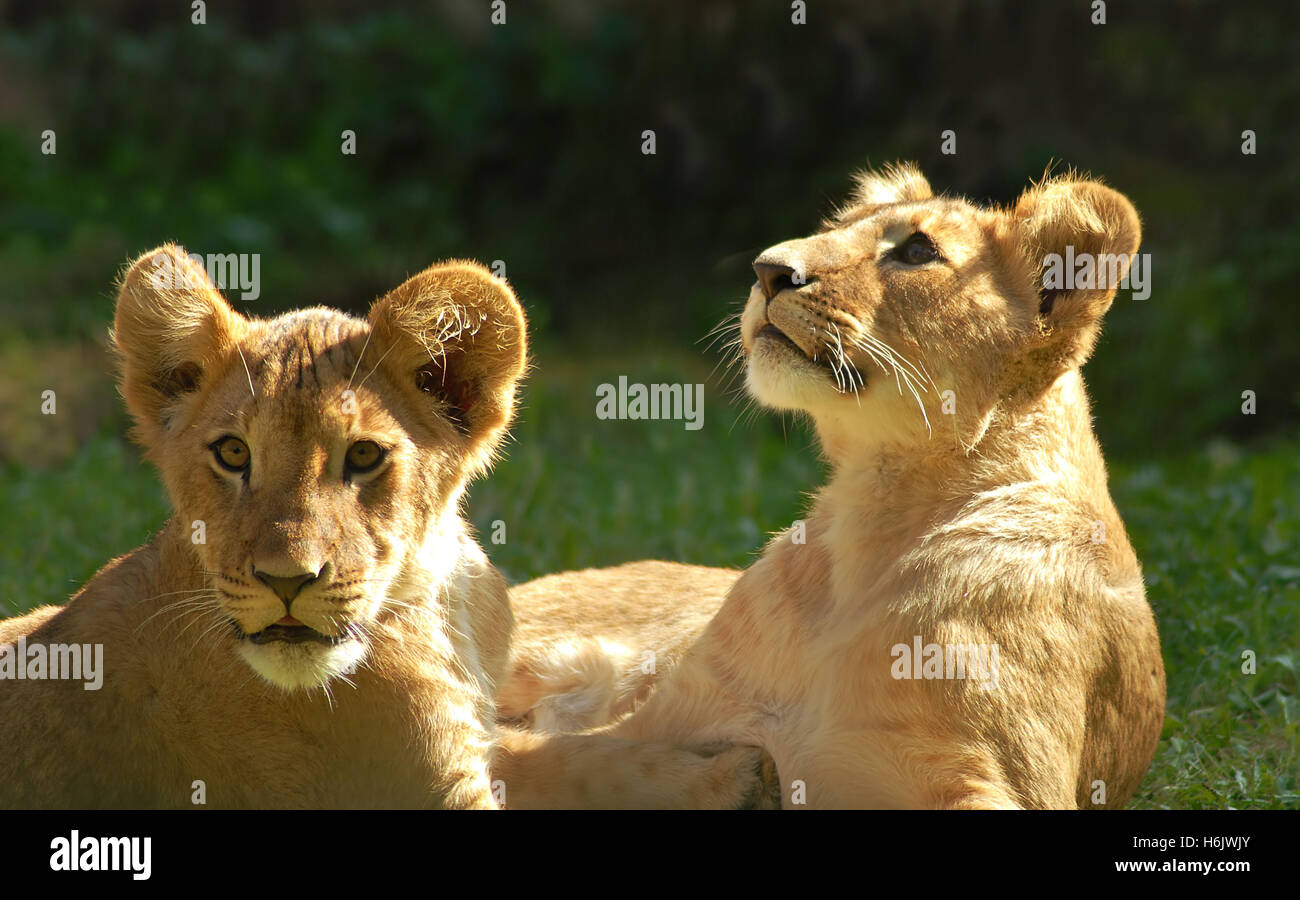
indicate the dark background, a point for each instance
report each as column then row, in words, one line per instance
column 522, row 143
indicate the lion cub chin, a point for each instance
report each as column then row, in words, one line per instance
column 960, row 620
column 296, row 666
column 314, row 626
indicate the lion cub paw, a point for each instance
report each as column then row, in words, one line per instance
column 743, row 777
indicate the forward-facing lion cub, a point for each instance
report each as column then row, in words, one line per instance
column 314, row 627
column 960, row 621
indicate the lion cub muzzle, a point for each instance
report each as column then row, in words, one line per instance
column 784, row 328
column 297, row 635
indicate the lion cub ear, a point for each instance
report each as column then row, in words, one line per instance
column 170, row 328
column 1078, row 238
column 456, row 333
column 896, row 183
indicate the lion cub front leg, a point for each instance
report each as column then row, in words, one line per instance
column 471, row 793
column 452, row 724
column 596, row 771
column 459, row 761
column 679, row 751
column 470, row 785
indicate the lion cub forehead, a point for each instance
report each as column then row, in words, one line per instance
column 933, row 212
column 306, row 372
column 305, row 349
column 961, row 229
column 951, row 221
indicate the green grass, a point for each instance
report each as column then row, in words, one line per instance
column 61, row 525
column 1217, row 531
column 575, row 491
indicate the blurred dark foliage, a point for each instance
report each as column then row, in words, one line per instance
column 522, row 143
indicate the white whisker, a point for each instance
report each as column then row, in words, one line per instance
column 369, row 334
column 246, row 372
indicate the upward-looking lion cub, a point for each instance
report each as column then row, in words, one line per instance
column 314, row 627
column 960, row 621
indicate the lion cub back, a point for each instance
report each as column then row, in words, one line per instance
column 590, row 645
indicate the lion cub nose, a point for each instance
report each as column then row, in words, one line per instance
column 773, row 277
column 286, row 587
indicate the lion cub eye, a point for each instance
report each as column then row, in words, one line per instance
column 231, row 454
column 917, row 250
column 363, row 456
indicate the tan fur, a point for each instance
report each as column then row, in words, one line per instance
column 990, row 524
column 401, row 712
column 568, row 676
